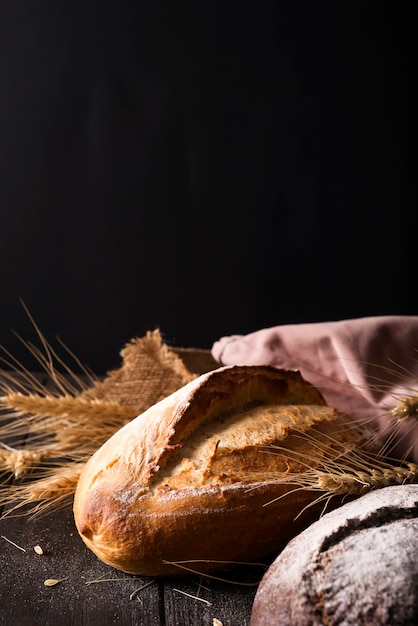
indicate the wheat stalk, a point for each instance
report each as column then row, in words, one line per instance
column 346, row 479
column 66, row 422
column 59, row 424
column 53, row 491
column 359, row 482
column 69, row 407
column 334, row 469
column 21, row 462
column 407, row 408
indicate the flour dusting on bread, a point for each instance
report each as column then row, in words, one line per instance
column 189, row 478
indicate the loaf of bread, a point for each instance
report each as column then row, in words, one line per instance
column 356, row 565
column 194, row 483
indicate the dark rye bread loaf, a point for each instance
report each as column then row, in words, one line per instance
column 357, row 565
column 191, row 477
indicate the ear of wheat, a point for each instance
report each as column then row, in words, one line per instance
column 335, row 470
column 357, row 473
column 49, row 429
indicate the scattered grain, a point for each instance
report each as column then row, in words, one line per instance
column 51, row 582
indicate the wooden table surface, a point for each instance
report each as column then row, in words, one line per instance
column 91, row 592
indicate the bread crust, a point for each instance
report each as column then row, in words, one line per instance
column 356, row 565
column 189, row 480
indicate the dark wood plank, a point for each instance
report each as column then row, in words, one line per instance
column 77, row 601
column 208, row 600
column 24, row 599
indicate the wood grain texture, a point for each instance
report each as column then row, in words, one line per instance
column 77, row 601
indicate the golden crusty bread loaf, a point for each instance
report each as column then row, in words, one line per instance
column 188, row 482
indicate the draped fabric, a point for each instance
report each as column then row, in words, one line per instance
column 363, row 366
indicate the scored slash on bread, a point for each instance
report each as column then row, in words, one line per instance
column 189, row 479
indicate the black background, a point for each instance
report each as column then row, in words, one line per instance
column 208, row 168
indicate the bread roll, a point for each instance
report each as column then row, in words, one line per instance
column 357, row 565
column 190, row 478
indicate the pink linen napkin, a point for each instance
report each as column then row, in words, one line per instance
column 362, row 366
